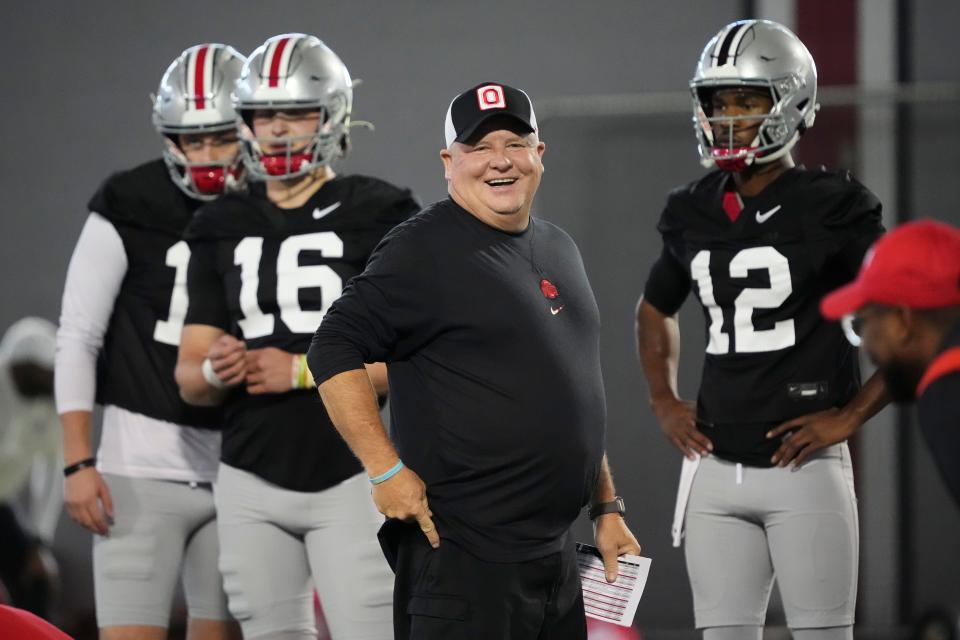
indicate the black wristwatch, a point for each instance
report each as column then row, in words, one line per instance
column 617, row 506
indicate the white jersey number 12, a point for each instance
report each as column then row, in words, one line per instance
column 747, row 338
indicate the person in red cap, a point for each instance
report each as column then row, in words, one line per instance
column 905, row 309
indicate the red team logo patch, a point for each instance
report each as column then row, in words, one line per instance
column 491, row 97
column 548, row 289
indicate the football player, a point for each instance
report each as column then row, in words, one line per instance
column 293, row 503
column 147, row 494
column 761, row 241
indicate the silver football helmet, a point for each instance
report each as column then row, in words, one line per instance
column 766, row 56
column 194, row 97
column 288, row 72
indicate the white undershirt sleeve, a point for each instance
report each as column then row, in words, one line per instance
column 96, row 271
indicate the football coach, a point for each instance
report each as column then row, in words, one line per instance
column 490, row 331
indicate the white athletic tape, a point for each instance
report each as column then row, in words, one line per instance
column 210, row 375
column 687, row 472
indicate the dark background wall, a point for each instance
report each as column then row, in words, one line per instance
column 76, row 84
column 79, row 75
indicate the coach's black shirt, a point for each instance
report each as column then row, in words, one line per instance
column 770, row 355
column 939, row 412
column 492, row 345
column 267, row 275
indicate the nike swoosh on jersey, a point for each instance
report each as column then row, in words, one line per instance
column 319, row 213
column 761, row 218
column 556, row 310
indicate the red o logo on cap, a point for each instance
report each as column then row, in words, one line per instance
column 491, row 97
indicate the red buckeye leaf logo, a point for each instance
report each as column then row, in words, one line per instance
column 548, row 289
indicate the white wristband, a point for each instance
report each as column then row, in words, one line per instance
column 210, row 375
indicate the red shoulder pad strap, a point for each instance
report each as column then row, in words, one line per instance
column 945, row 363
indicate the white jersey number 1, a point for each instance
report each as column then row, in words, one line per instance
column 168, row 331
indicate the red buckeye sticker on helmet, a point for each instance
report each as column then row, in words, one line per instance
column 549, row 290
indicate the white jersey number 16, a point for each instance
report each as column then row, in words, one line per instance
column 291, row 277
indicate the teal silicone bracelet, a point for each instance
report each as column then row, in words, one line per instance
column 383, row 477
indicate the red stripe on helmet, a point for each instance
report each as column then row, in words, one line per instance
column 199, row 95
column 274, row 78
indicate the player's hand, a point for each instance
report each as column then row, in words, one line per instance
column 269, row 370
column 810, row 433
column 678, row 421
column 613, row 540
column 87, row 498
column 404, row 497
column 228, row 358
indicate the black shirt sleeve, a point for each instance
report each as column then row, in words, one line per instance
column 207, row 300
column 668, row 284
column 384, row 314
column 939, row 414
column 858, row 220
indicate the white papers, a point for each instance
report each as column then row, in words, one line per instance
column 617, row 602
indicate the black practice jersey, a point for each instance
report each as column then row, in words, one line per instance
column 268, row 275
column 135, row 367
column 770, row 355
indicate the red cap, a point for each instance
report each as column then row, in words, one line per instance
column 916, row 265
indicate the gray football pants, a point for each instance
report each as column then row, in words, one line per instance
column 161, row 530
column 747, row 525
column 278, row 545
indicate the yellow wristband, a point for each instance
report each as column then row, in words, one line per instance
column 302, row 378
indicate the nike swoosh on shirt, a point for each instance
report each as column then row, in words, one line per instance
column 319, row 213
column 556, row 310
column 761, row 218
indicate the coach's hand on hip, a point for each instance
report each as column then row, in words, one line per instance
column 404, row 497
column 613, row 540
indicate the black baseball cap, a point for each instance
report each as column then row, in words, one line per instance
column 475, row 106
